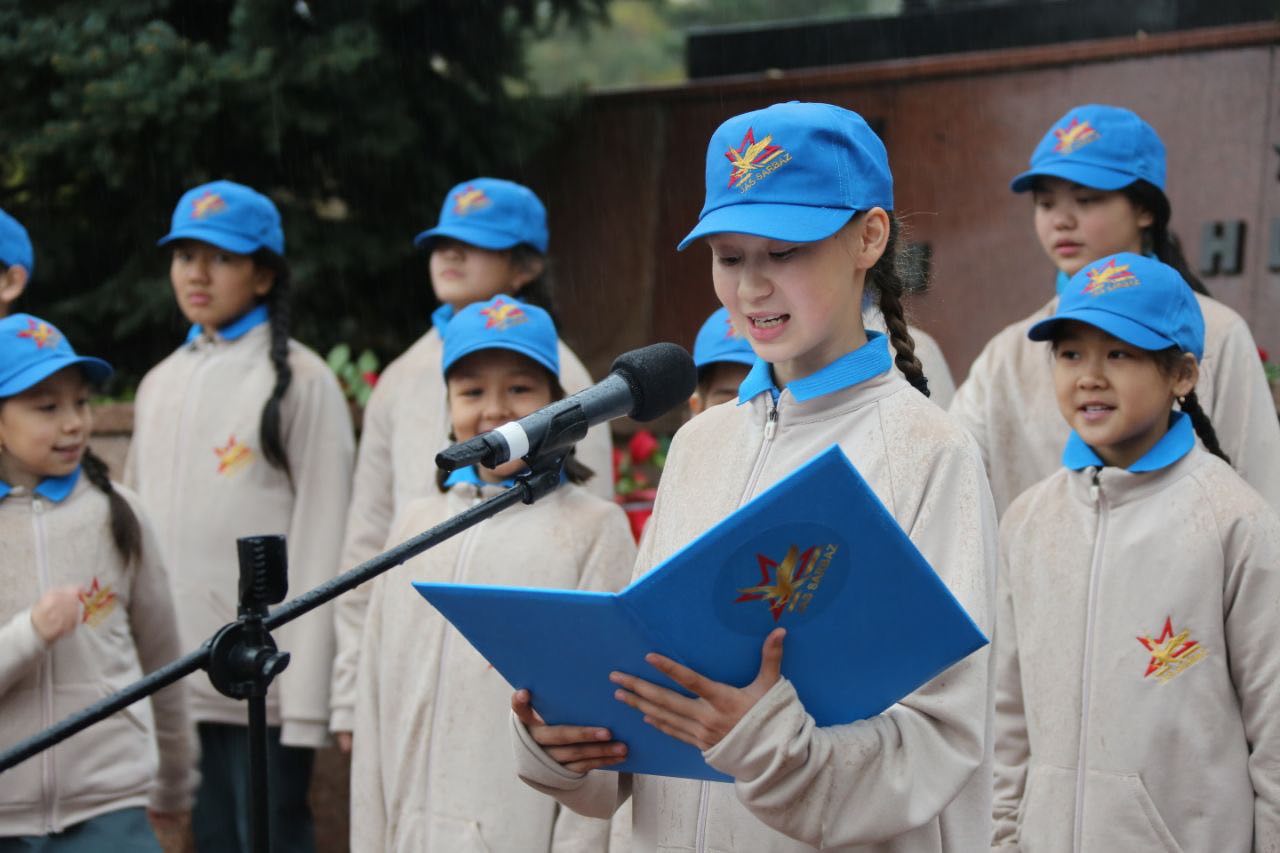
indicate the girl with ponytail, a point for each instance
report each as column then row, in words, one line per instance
column 85, row 609
column 799, row 221
column 1097, row 184
column 1138, row 596
column 244, row 431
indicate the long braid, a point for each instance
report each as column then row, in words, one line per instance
column 1204, row 427
column 886, row 278
column 125, row 530
column 1158, row 239
column 278, row 305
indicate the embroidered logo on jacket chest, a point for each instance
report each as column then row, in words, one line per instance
column 794, row 580
column 99, row 603
column 233, row 457
column 1171, row 653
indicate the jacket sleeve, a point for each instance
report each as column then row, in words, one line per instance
column 969, row 405
column 20, row 649
column 596, row 450
column 1244, row 413
column 597, row 794
column 369, row 521
column 321, row 448
column 1012, row 750
column 881, row 777
column 153, row 623
column 368, row 801
column 1252, row 545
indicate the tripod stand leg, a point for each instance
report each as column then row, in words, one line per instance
column 259, row 807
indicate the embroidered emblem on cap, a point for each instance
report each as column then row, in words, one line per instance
column 503, row 315
column 731, row 331
column 1074, row 136
column 469, row 200
column 207, row 204
column 40, row 333
column 789, row 586
column 1109, row 278
column 1171, row 654
column 99, row 602
column 754, row 161
column 233, row 457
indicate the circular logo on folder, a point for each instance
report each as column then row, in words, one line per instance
column 780, row 577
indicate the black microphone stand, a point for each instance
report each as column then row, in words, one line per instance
column 242, row 658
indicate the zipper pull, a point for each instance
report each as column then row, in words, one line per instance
column 37, row 506
column 771, row 425
column 1095, row 488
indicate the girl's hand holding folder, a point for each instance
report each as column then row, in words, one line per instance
column 577, row 748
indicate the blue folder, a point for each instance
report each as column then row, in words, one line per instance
column 867, row 619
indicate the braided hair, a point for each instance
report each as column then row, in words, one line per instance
column 1204, row 428
column 125, row 530
column 279, row 309
column 1158, row 240
column 886, row 279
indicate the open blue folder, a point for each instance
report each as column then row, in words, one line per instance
column 867, row 619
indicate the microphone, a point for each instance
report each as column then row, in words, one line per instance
column 643, row 384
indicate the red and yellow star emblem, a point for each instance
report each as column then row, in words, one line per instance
column 98, row 603
column 788, row 577
column 751, row 156
column 503, row 315
column 1109, row 278
column 41, row 334
column 233, row 457
column 207, row 204
column 1171, row 654
column 469, row 200
column 1074, row 136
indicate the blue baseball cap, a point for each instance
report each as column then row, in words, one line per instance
column 1106, row 148
column 718, row 340
column 228, row 215
column 32, row 350
column 503, row 323
column 795, row 172
column 15, row 244
column 491, row 213
column 1134, row 298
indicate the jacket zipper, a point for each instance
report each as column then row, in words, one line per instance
column 50, row 780
column 1100, row 512
column 464, row 556
column 770, row 431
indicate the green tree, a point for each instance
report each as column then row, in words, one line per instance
column 355, row 117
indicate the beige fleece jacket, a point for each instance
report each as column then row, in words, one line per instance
column 942, row 387
column 432, row 768
column 405, row 425
column 197, row 462
column 1008, row 403
column 144, row 755
column 914, row 778
column 1137, row 645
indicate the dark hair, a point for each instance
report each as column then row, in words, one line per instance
column 125, row 530
column 886, row 279
column 278, row 307
column 1168, row 360
column 575, row 471
column 1157, row 239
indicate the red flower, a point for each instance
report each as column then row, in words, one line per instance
column 642, row 446
column 1264, row 355
column 370, row 377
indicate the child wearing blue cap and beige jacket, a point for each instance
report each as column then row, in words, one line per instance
column 430, row 769
column 491, row 239
column 244, row 431
column 1138, row 686
column 85, row 609
column 797, row 219
column 1098, row 182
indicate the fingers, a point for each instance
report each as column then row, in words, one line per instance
column 582, row 757
column 771, row 657
column 523, row 710
column 694, row 682
column 654, row 694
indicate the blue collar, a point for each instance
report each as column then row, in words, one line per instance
column 471, row 476
column 55, row 489
column 441, row 317
column 237, row 328
column 867, row 361
column 1172, row 446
